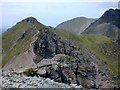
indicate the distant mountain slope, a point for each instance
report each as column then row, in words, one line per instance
column 108, row 24
column 76, row 25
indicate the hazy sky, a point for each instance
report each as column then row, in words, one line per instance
column 51, row 12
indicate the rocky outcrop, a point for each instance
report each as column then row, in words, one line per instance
column 49, row 44
column 23, row 34
column 110, row 49
column 75, row 65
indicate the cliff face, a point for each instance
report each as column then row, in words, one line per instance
column 70, row 63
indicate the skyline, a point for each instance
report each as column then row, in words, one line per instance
column 52, row 13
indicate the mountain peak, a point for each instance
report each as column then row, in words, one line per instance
column 111, row 15
column 30, row 20
column 111, row 12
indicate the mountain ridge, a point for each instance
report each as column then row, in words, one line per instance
column 89, row 60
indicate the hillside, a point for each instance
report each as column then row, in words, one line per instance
column 17, row 39
column 76, row 25
column 108, row 25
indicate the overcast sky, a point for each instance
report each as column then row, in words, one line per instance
column 51, row 12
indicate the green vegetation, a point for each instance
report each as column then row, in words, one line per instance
column 64, row 57
column 29, row 72
column 89, row 39
column 83, row 80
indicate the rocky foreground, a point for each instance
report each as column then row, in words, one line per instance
column 18, row 80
